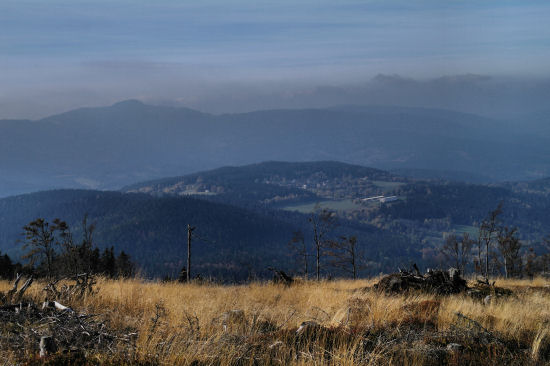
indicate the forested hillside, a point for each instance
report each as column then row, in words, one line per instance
column 232, row 243
column 423, row 212
column 271, row 183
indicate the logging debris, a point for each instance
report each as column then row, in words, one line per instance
column 434, row 282
column 52, row 327
column 439, row 282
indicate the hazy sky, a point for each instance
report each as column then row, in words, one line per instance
column 57, row 55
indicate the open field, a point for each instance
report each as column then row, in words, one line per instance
column 335, row 205
column 257, row 324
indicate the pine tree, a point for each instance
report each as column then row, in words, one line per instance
column 7, row 268
column 108, row 262
column 125, row 267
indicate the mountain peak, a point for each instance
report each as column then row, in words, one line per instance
column 128, row 103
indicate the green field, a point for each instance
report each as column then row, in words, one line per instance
column 336, row 205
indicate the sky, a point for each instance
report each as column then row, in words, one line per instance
column 57, row 55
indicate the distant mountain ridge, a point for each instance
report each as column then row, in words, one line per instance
column 109, row 147
column 265, row 170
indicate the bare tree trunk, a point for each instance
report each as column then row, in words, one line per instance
column 318, row 261
column 189, row 236
column 505, row 267
column 305, row 261
column 353, row 261
column 322, row 223
column 316, row 239
column 354, row 267
column 487, row 260
column 479, row 248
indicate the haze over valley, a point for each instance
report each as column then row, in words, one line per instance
column 109, row 147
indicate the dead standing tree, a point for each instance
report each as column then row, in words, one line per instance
column 345, row 255
column 298, row 245
column 190, row 230
column 457, row 250
column 488, row 232
column 509, row 246
column 322, row 222
column 190, row 235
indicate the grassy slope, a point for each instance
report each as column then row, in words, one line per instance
column 362, row 326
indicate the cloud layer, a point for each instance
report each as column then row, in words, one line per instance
column 58, row 55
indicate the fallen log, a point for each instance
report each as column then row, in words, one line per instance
column 55, row 305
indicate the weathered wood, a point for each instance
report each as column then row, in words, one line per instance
column 12, row 292
column 24, row 322
column 47, row 346
column 26, row 285
column 55, row 305
column 436, row 282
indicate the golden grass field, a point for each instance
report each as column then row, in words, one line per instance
column 184, row 324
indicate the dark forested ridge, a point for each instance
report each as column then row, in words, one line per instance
column 234, row 243
column 103, row 147
column 152, row 230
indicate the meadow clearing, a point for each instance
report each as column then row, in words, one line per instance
column 340, row 322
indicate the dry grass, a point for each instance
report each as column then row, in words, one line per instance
column 185, row 324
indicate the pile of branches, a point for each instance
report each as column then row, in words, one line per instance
column 28, row 328
column 483, row 289
column 434, row 282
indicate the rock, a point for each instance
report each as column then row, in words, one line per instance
column 487, row 300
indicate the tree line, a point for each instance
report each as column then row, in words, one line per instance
column 496, row 250
column 341, row 253
column 51, row 252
